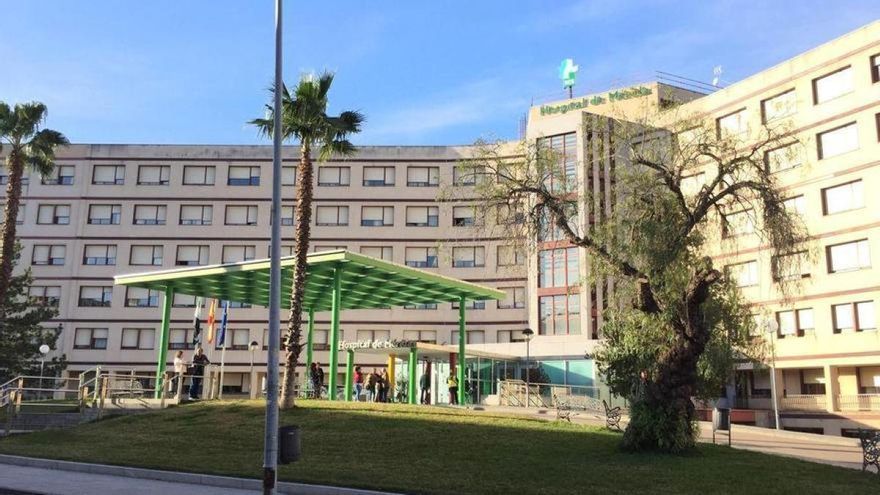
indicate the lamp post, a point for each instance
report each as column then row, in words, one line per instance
column 253, row 346
column 772, row 328
column 44, row 349
column 528, row 334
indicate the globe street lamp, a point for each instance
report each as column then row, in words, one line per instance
column 528, row 334
column 253, row 346
column 772, row 328
column 44, row 349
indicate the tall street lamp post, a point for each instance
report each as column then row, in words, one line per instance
column 772, row 328
column 44, row 349
column 253, row 346
column 528, row 334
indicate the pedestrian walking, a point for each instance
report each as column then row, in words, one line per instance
column 425, row 385
column 452, row 383
column 199, row 361
column 358, row 383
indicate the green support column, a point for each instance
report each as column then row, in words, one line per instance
column 309, row 343
column 334, row 331
column 462, row 338
column 349, row 374
column 163, row 341
column 412, row 369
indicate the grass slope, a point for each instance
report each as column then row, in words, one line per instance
column 418, row 449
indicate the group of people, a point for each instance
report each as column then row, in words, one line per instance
column 195, row 368
column 376, row 385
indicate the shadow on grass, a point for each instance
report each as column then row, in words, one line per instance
column 416, row 449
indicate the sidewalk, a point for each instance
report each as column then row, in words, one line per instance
column 837, row 451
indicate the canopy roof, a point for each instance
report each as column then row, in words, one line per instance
column 365, row 282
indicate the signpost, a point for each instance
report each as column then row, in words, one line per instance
column 567, row 72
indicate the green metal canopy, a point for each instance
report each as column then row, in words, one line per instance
column 366, row 282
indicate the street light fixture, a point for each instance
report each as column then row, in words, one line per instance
column 528, row 334
column 772, row 328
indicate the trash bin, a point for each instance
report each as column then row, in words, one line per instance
column 721, row 419
column 289, row 445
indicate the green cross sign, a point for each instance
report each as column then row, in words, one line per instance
column 567, row 72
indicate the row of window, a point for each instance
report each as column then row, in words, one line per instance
column 858, row 316
column 249, row 175
column 240, row 338
column 198, row 255
column 843, row 257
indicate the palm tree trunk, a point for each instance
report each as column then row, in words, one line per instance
column 13, row 203
column 293, row 338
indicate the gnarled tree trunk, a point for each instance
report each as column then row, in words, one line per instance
column 293, row 338
column 15, row 166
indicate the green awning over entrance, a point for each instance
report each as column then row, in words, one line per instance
column 366, row 283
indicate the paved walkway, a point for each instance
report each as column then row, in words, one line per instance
column 838, row 451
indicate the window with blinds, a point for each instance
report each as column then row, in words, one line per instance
column 463, row 216
column 45, row 295
column 93, row 296
column 192, row 255
column 848, row 256
column 732, row 124
column 377, row 216
column 422, row 176
column 833, row 85
column 199, row 175
column 183, row 301
column 428, row 336
column 99, row 254
column 509, row 255
column 154, row 175
column 468, row 257
column 53, row 215
column 196, row 214
column 779, row 106
column 331, row 216
column 844, row 197
column 108, row 175
column 181, row 339
column 422, row 216
column 137, row 297
column 382, row 252
column 472, row 336
column 838, row 141
column 146, row 255
column 61, row 175
column 334, row 176
column 241, row 215
column 743, row 274
column 421, row 257
column 378, row 176
column 49, row 254
column 243, row 176
column 90, row 338
column 234, row 254
column 138, row 338
column 514, row 298
column 288, row 175
column 738, row 223
column 105, row 214
column 149, row 214
column 783, row 158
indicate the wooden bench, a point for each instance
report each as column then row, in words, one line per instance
column 612, row 416
column 870, row 440
column 563, row 408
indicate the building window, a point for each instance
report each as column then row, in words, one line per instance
column 61, row 175
column 463, row 216
column 509, row 255
column 243, row 176
column 515, row 298
column 783, row 158
column 510, row 215
column 467, row 175
column 181, row 339
column 137, row 297
column 548, row 231
column 838, row 141
column 378, row 176
column 334, row 176
column 422, row 216
column 332, row 216
column 53, row 215
column 507, row 336
column 49, row 254
column 421, row 306
column 779, row 106
column 199, row 175
column 849, row 256
column 421, row 257
column 154, row 175
column 90, row 338
column 422, row 176
column 288, row 176
column 145, row 256
column 382, row 252
column 241, row 215
column 738, row 223
column 875, row 68
column 477, row 305
column 791, row 266
column 558, row 267
column 856, row 317
column 428, row 336
column 149, row 214
column 99, row 254
column 744, row 274
column 196, row 214
column 105, row 214
column 795, row 205
column 831, row 86
column 472, row 336
column 377, row 216
column 92, row 296
column 795, row 322
column 287, row 215
column 373, row 335
column 235, row 254
column 563, row 176
column 108, row 175
column 559, row 315
column 732, row 124
column 192, row 255
column 19, row 218
column 319, row 248
column 45, row 295
column 237, row 339
column 138, row 338
column 183, row 301
column 845, row 197
column 468, row 257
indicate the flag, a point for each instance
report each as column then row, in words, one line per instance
column 197, row 321
column 221, row 335
column 211, row 321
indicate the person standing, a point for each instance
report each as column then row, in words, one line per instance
column 385, row 386
column 199, row 361
column 179, row 371
column 425, row 386
column 313, row 379
column 319, row 383
column 358, row 383
column 452, row 383
column 370, row 382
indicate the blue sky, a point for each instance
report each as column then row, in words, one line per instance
column 439, row 72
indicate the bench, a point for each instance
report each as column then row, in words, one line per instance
column 870, row 440
column 612, row 416
column 563, row 408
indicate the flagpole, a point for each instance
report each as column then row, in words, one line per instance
column 222, row 364
column 270, row 439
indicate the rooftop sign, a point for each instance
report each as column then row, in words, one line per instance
column 376, row 344
column 619, row 95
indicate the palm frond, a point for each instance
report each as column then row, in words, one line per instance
column 6, row 119
column 28, row 117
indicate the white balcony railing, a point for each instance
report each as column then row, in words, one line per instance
column 859, row 402
column 803, row 402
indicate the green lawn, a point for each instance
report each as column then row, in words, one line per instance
column 418, row 449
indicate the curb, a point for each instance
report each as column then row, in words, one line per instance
column 178, row 477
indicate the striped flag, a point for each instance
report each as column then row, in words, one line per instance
column 211, row 321
column 221, row 336
column 197, row 321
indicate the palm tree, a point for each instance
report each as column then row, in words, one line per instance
column 304, row 118
column 29, row 146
